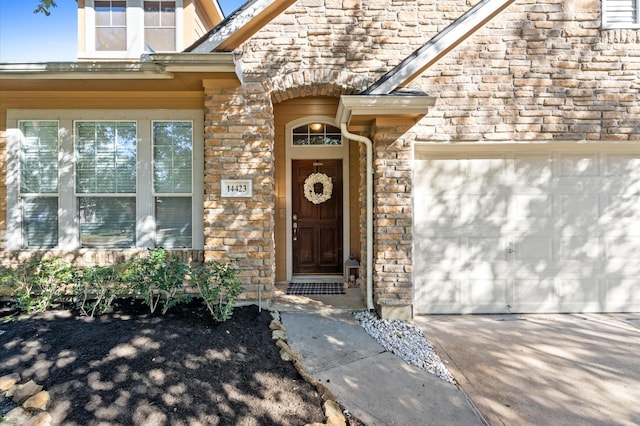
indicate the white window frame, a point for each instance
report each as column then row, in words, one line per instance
column 630, row 25
column 135, row 31
column 68, row 221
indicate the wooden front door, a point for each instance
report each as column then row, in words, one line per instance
column 317, row 228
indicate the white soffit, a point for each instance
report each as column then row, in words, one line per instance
column 446, row 40
column 382, row 105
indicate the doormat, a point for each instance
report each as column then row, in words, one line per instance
column 315, row 288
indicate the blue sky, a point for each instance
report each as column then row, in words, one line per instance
column 29, row 37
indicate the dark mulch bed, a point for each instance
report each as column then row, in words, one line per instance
column 133, row 368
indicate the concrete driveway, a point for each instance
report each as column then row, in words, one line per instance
column 544, row 369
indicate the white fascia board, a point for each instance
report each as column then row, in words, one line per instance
column 195, row 62
column 83, row 70
column 233, row 23
column 353, row 105
column 156, row 66
column 454, row 34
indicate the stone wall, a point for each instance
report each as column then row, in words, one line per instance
column 239, row 145
column 542, row 71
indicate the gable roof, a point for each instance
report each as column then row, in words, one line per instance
column 441, row 44
column 239, row 26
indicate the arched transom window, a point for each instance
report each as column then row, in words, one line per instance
column 314, row 134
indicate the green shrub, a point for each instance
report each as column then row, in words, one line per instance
column 159, row 279
column 219, row 287
column 96, row 288
column 39, row 284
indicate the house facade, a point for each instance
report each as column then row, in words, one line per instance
column 473, row 156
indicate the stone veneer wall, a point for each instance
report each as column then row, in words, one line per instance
column 542, row 71
column 393, row 222
column 238, row 144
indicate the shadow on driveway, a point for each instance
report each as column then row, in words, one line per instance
column 544, row 369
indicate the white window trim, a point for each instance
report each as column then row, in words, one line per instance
column 607, row 26
column 135, row 32
column 69, row 231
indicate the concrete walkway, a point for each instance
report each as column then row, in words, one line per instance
column 375, row 385
column 544, row 369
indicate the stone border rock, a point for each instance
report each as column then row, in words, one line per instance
column 332, row 410
column 31, row 402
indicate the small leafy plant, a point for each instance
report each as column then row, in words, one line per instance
column 96, row 288
column 219, row 287
column 39, row 284
column 159, row 279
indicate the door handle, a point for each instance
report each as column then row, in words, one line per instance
column 295, row 227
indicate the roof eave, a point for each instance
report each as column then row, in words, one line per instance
column 156, row 66
column 239, row 26
column 360, row 111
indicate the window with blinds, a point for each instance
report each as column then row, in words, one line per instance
column 620, row 14
column 105, row 179
column 106, row 182
column 39, row 183
column 172, row 182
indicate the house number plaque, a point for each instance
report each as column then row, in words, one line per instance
column 236, row 188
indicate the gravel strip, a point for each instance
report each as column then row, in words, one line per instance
column 406, row 341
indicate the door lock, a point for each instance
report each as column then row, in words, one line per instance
column 295, row 227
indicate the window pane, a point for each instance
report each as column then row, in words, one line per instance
column 151, row 13
column 119, row 13
column 106, row 157
column 161, row 39
column 168, row 15
column 316, row 134
column 173, row 222
column 40, row 222
column 39, row 157
column 103, row 13
column 107, row 222
column 111, row 38
column 172, row 157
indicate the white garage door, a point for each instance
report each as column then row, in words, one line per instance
column 527, row 231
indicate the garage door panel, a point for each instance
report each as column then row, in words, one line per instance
column 579, row 294
column 583, row 165
column 438, row 296
column 486, row 295
column 623, row 293
column 481, row 249
column 485, row 209
column 435, row 249
column 625, row 166
column 533, row 205
column 575, row 207
column 533, row 248
column 580, row 247
column 482, row 167
column 623, row 247
column 437, row 207
column 533, row 169
column 548, row 231
column 438, row 173
column 533, row 295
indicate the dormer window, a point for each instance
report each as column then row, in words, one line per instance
column 160, row 25
column 111, row 25
column 127, row 29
